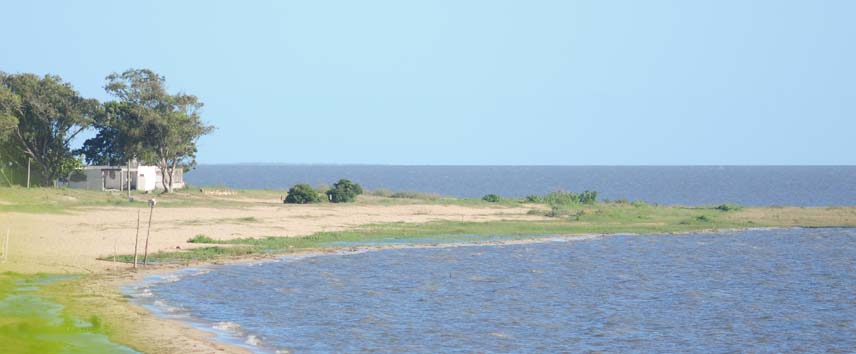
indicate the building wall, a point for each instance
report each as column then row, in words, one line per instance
column 87, row 179
column 143, row 178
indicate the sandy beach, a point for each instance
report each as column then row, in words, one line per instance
column 71, row 243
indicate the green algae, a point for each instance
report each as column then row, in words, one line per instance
column 31, row 323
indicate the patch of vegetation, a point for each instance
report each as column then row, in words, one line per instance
column 728, row 207
column 26, row 326
column 583, row 219
column 414, row 195
column 302, row 194
column 534, row 198
column 492, row 198
column 200, row 238
column 344, row 191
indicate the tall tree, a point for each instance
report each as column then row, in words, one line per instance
column 170, row 125
column 49, row 114
column 119, row 138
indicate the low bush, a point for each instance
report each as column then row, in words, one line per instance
column 492, row 198
column 728, row 207
column 302, row 194
column 344, row 191
column 567, row 198
column 200, row 238
column 533, row 198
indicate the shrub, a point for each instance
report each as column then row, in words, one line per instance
column 532, row 198
column 492, row 198
column 200, row 238
column 728, row 207
column 344, row 191
column 302, row 194
column 567, row 198
column 638, row 204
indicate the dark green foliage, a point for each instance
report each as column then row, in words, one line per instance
column 39, row 119
column 566, row 198
column 153, row 124
column 344, row 191
column 533, row 198
column 703, row 218
column 302, row 194
column 728, row 207
column 492, row 198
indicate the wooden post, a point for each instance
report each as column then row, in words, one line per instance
column 152, row 203
column 115, row 250
column 137, row 239
column 6, row 247
column 28, row 172
column 129, row 180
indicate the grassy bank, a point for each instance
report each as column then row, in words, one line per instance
column 599, row 218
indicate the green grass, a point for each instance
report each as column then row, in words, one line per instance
column 602, row 218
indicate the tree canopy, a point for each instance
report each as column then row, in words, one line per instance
column 39, row 118
column 148, row 123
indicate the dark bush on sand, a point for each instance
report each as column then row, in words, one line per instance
column 344, row 191
column 302, row 194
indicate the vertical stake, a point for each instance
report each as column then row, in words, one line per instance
column 115, row 250
column 28, row 172
column 6, row 247
column 152, row 203
column 129, row 180
column 137, row 239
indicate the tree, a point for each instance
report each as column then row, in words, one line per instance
column 119, row 137
column 166, row 127
column 43, row 115
column 302, row 194
column 344, row 191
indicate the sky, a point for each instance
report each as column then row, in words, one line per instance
column 474, row 82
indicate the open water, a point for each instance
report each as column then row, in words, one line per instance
column 685, row 185
column 760, row 291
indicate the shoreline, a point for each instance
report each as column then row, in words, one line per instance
column 78, row 232
column 196, row 327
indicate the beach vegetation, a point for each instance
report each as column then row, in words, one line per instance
column 344, row 191
column 302, row 193
column 492, row 198
column 534, row 198
column 728, row 207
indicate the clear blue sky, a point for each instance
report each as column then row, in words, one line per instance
column 475, row 82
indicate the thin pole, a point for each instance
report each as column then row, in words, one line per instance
column 115, row 250
column 137, row 239
column 148, row 232
column 129, row 179
column 6, row 246
column 28, row 172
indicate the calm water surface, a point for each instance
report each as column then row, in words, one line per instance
column 753, row 291
column 686, row 185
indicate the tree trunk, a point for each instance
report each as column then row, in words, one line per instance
column 166, row 176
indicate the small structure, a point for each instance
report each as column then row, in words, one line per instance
column 107, row 178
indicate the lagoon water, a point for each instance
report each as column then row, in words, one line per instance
column 686, row 185
column 771, row 290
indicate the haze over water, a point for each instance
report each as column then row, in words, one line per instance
column 685, row 185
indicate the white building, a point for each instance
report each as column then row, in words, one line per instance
column 105, row 178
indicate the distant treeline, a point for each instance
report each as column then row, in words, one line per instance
column 40, row 116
